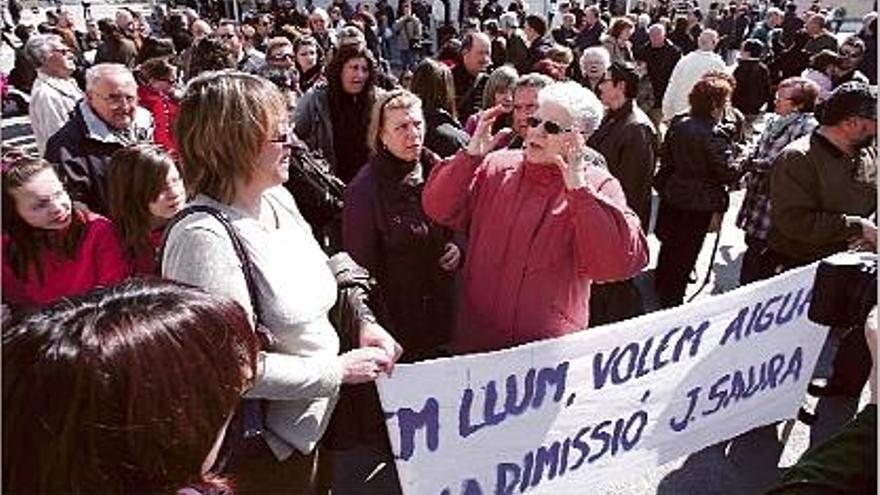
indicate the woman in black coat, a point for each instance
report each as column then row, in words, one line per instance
column 385, row 230
column 695, row 168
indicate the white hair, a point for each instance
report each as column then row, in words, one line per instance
column 508, row 20
column 707, row 40
column 38, row 47
column 644, row 20
column 319, row 12
column 596, row 52
column 97, row 72
column 582, row 105
column 658, row 27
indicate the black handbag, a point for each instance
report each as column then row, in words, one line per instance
column 318, row 193
column 244, row 437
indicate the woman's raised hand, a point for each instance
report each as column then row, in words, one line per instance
column 483, row 141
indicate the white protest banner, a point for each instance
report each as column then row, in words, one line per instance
column 560, row 415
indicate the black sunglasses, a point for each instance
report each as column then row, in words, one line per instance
column 550, row 127
column 285, row 56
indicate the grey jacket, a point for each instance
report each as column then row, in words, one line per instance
column 313, row 123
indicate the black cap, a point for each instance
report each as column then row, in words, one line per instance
column 851, row 99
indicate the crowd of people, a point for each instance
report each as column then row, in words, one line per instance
column 263, row 215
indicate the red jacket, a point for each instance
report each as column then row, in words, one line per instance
column 99, row 261
column 164, row 110
column 534, row 247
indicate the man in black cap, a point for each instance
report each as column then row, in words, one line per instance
column 628, row 141
column 823, row 191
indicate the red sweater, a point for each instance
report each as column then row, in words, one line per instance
column 164, row 110
column 534, row 247
column 145, row 261
column 99, row 261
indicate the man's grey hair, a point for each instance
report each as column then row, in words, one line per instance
column 644, row 20
column 659, row 26
column 39, row 47
column 775, row 11
column 707, row 40
column 97, row 72
column 582, row 105
column 533, row 80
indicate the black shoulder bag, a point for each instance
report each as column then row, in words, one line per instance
column 244, row 436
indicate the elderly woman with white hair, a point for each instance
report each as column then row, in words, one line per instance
column 594, row 63
column 543, row 224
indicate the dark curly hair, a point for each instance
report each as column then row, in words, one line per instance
column 210, row 54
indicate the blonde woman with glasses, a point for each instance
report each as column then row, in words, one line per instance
column 234, row 150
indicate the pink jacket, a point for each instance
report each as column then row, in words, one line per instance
column 534, row 247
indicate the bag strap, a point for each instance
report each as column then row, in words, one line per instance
column 247, row 268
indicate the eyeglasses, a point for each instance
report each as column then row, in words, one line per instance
column 284, row 56
column 119, row 100
column 550, row 127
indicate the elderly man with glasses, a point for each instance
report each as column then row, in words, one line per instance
column 107, row 119
column 543, row 224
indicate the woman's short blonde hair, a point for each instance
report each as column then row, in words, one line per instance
column 277, row 43
column 225, row 120
column 392, row 100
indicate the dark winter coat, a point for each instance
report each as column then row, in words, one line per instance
column 752, row 87
column 386, row 231
column 444, row 135
column 468, row 91
column 660, row 62
column 696, row 164
column 81, row 152
column 628, row 141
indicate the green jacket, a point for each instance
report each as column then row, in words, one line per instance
column 817, row 195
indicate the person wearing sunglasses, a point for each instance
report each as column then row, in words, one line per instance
column 279, row 53
column 543, row 223
column 629, row 143
column 851, row 52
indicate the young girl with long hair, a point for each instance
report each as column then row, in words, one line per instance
column 145, row 192
column 52, row 248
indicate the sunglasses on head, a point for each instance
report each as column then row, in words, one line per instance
column 550, row 127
